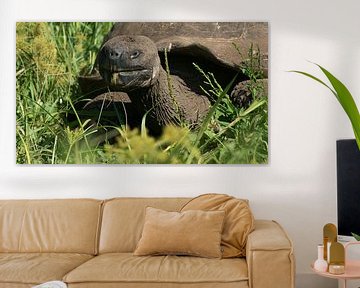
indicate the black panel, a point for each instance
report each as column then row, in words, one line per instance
column 348, row 187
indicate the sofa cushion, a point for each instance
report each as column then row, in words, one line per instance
column 239, row 220
column 193, row 232
column 123, row 220
column 63, row 226
column 36, row 268
column 127, row 268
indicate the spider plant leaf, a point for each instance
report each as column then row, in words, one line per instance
column 316, row 79
column 344, row 97
column 357, row 237
column 347, row 102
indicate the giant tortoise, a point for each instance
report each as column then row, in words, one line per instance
column 149, row 67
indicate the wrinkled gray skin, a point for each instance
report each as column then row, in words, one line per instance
column 131, row 64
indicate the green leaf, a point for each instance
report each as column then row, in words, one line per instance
column 344, row 97
column 143, row 124
column 253, row 107
column 356, row 236
column 314, row 78
column 346, row 100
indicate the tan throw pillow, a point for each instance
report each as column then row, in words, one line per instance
column 239, row 220
column 196, row 233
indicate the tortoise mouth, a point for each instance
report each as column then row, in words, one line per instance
column 125, row 71
column 123, row 78
column 129, row 72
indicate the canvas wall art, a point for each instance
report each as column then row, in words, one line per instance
column 142, row 93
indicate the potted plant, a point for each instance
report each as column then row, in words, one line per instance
column 346, row 100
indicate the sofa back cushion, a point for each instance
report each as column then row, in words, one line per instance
column 123, row 220
column 238, row 224
column 66, row 226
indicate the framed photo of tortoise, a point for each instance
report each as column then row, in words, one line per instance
column 142, row 93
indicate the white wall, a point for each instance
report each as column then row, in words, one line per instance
column 297, row 188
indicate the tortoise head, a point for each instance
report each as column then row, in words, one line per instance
column 129, row 62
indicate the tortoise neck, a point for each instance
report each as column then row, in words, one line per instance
column 158, row 100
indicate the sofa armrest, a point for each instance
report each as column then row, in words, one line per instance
column 269, row 256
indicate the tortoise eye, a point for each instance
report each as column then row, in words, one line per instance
column 135, row 54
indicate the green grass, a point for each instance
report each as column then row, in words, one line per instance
column 50, row 56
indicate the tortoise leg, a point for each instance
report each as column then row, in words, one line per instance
column 116, row 105
column 246, row 91
column 93, row 84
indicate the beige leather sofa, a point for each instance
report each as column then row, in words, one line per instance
column 89, row 243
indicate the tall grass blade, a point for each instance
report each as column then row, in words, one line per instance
column 256, row 104
column 27, row 153
column 208, row 118
column 143, row 124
